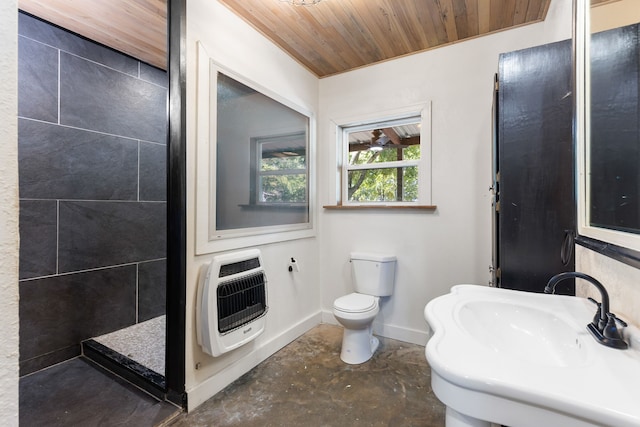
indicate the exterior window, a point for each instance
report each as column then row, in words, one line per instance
column 281, row 172
column 384, row 163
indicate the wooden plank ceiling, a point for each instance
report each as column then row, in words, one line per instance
column 330, row 37
column 135, row 27
column 334, row 36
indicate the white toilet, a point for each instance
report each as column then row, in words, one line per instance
column 373, row 276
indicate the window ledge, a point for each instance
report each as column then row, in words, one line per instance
column 383, row 207
column 274, row 206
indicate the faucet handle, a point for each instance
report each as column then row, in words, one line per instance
column 619, row 320
column 610, row 330
column 597, row 320
column 597, row 316
column 610, row 334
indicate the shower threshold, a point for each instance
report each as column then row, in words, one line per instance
column 135, row 353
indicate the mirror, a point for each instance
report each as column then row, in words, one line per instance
column 608, row 122
column 261, row 168
column 255, row 153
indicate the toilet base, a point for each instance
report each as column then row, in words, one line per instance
column 358, row 345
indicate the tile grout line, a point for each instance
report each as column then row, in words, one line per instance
column 57, row 237
column 137, row 292
column 89, row 270
column 97, row 200
column 138, row 171
column 60, row 50
column 88, row 130
column 59, row 85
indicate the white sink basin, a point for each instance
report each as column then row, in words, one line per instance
column 522, row 332
column 524, row 359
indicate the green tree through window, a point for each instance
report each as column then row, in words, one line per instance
column 388, row 184
column 282, row 170
column 383, row 160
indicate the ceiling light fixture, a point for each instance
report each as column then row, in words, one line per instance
column 377, row 140
column 302, row 2
column 379, row 143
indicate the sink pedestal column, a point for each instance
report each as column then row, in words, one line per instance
column 456, row 419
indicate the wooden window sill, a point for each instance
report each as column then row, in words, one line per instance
column 275, row 206
column 383, row 207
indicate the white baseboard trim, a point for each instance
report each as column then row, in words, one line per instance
column 216, row 383
column 328, row 318
column 399, row 333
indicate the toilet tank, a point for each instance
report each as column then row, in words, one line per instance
column 373, row 274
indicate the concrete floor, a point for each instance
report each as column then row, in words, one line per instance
column 306, row 384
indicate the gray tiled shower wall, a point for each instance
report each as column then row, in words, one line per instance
column 92, row 162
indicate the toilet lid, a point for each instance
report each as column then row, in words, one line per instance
column 355, row 303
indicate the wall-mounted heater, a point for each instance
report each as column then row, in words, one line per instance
column 232, row 301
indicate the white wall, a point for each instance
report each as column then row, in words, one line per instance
column 9, row 213
column 452, row 245
column 293, row 298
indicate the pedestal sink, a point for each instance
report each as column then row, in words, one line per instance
column 522, row 359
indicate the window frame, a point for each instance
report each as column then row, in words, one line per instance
column 257, row 172
column 421, row 116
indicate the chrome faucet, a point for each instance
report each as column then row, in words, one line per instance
column 603, row 327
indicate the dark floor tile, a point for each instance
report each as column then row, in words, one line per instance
column 69, row 42
column 76, row 393
column 38, row 82
column 60, row 311
column 307, row 384
column 38, row 238
column 58, row 162
column 97, row 234
column 153, row 172
column 49, row 359
column 98, row 98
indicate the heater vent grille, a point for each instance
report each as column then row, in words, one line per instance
column 231, row 307
column 238, row 267
column 241, row 300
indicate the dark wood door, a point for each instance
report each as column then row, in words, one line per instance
column 535, row 163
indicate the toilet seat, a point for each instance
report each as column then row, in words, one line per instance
column 355, row 303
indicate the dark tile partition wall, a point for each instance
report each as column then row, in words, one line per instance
column 92, row 162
